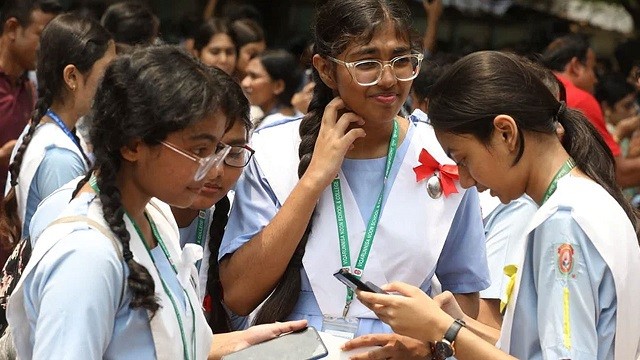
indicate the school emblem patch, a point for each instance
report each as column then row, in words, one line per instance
column 565, row 259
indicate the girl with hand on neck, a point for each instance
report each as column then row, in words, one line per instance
column 337, row 188
column 570, row 294
column 73, row 55
column 109, row 273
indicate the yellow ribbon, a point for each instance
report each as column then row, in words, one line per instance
column 510, row 271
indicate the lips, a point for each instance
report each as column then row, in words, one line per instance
column 385, row 98
column 209, row 189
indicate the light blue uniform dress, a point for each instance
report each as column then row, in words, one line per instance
column 539, row 334
column 462, row 269
column 504, row 228
column 73, row 297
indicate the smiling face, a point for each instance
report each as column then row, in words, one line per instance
column 486, row 166
column 380, row 102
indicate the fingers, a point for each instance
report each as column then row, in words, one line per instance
column 291, row 326
column 367, row 340
column 347, row 119
column 331, row 111
column 402, row 288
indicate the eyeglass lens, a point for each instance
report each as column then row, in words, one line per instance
column 404, row 68
column 238, row 156
column 209, row 162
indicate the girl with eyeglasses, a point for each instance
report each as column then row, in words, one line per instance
column 203, row 222
column 572, row 292
column 338, row 189
column 107, row 279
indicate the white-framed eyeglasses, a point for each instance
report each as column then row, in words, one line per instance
column 204, row 163
column 369, row 72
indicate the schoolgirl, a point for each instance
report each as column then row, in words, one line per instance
column 572, row 291
column 215, row 45
column 107, row 279
column 73, row 54
column 283, row 236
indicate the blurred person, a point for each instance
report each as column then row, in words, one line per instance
column 131, row 23
column 22, row 22
column 250, row 42
column 215, row 45
column 271, row 80
column 573, row 61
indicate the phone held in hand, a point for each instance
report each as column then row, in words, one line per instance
column 354, row 283
column 304, row 344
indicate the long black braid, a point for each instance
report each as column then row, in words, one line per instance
column 218, row 319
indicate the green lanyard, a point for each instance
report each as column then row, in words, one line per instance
column 372, row 226
column 93, row 183
column 564, row 170
column 200, row 232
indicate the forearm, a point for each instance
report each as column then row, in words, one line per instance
column 468, row 346
column 224, row 344
column 469, row 303
column 431, row 35
column 489, row 313
column 250, row 274
column 627, row 171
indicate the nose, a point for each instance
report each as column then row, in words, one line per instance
column 466, row 180
column 387, row 78
column 245, row 83
column 215, row 172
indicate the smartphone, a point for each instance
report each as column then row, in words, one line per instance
column 304, row 344
column 354, row 283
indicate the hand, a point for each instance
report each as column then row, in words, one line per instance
column 5, row 151
column 433, row 8
column 626, row 127
column 260, row 333
column 393, row 346
column 634, row 145
column 448, row 304
column 414, row 314
column 333, row 143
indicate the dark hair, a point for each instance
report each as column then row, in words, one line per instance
column 211, row 28
column 247, row 31
column 145, row 95
column 21, row 10
column 131, row 23
column 67, row 39
column 612, row 88
column 486, row 84
column 560, row 52
column 338, row 24
column 282, row 65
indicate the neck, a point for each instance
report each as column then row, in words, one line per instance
column 184, row 217
column 547, row 163
column 376, row 143
column 67, row 114
column 134, row 200
column 8, row 63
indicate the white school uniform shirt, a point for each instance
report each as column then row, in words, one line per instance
column 47, row 136
column 121, row 332
column 409, row 217
column 581, row 320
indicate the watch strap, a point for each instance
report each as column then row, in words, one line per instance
column 453, row 330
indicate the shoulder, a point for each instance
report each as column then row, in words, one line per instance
column 274, row 123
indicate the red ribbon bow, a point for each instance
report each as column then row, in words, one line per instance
column 429, row 165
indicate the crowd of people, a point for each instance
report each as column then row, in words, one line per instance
column 188, row 201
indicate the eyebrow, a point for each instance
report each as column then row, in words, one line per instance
column 373, row 51
column 238, row 142
column 211, row 138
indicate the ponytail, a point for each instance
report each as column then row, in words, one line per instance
column 592, row 155
column 10, row 222
column 218, row 318
column 285, row 296
column 140, row 282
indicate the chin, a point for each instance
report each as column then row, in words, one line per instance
column 203, row 202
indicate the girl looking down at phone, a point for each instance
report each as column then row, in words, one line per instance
column 284, row 241
column 573, row 295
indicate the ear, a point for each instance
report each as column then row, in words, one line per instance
column 505, row 131
column 133, row 151
column 325, row 70
column 278, row 87
column 10, row 28
column 71, row 77
column 574, row 67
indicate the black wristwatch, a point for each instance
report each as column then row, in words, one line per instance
column 443, row 349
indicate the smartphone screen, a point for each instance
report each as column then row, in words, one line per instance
column 354, row 283
column 304, row 344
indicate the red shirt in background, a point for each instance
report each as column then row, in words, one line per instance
column 16, row 105
column 586, row 103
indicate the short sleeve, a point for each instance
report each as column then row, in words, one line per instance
column 72, row 297
column 462, row 267
column 254, row 205
column 58, row 167
column 576, row 302
column 504, row 229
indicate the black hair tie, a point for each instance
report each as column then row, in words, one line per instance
column 561, row 109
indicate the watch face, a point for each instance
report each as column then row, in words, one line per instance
column 442, row 350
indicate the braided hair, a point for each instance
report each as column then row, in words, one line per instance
column 145, row 95
column 67, row 39
column 339, row 24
